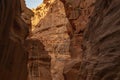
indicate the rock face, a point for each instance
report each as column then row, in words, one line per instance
column 71, row 69
column 95, row 55
column 40, row 12
column 52, row 32
column 102, row 43
column 26, row 14
column 94, row 40
column 52, row 29
column 100, row 49
column 39, row 60
column 13, row 31
column 78, row 12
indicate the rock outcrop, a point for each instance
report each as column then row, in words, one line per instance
column 102, row 43
column 87, row 29
column 13, row 31
column 51, row 30
column 78, row 12
column 71, row 69
column 26, row 14
column 38, row 60
column 95, row 55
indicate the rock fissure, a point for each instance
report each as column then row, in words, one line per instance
column 60, row 40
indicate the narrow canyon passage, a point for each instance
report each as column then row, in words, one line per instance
column 52, row 27
column 60, row 40
column 48, row 27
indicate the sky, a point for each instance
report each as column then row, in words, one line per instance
column 33, row 3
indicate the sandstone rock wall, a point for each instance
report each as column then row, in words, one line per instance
column 13, row 31
column 51, row 30
column 38, row 60
column 94, row 55
column 78, row 12
column 102, row 43
column 26, row 14
column 40, row 12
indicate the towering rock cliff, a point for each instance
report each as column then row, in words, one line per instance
column 51, row 28
column 87, row 29
column 13, row 31
column 78, row 12
column 100, row 43
column 49, row 24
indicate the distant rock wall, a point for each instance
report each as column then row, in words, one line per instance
column 49, row 26
column 52, row 29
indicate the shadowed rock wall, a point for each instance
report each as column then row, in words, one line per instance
column 13, row 31
column 38, row 60
column 102, row 43
column 78, row 13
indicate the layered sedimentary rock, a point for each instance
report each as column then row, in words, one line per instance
column 71, row 69
column 94, row 56
column 102, row 43
column 38, row 60
column 40, row 12
column 13, row 31
column 51, row 30
column 78, row 12
column 98, row 52
column 100, row 57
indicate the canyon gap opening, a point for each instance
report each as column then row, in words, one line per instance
column 33, row 3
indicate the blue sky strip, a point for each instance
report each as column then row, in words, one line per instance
column 33, row 3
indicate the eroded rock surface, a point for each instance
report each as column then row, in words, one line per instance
column 94, row 55
column 78, row 12
column 13, row 31
column 52, row 29
column 102, row 43
column 38, row 61
column 52, row 32
column 71, row 69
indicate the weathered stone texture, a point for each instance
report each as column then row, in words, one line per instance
column 78, row 13
column 52, row 32
column 102, row 43
column 13, row 31
column 38, row 60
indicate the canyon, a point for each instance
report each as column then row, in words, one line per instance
column 60, row 40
